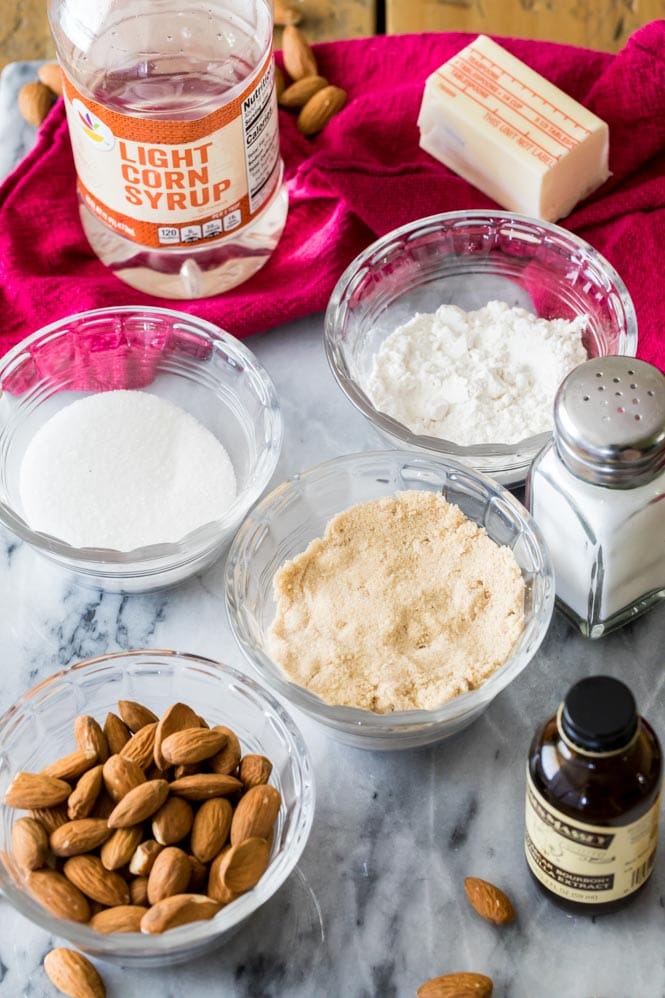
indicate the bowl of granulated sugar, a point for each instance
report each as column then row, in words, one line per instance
column 132, row 443
column 453, row 333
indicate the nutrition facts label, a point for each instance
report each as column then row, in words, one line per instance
column 259, row 116
column 512, row 104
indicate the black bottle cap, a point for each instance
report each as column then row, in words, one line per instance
column 599, row 714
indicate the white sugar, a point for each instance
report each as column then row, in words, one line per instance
column 124, row 469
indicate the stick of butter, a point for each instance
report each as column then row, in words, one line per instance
column 511, row 133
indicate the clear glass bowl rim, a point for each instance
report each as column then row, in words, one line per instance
column 132, row 944
column 204, row 537
column 355, row 717
column 434, row 223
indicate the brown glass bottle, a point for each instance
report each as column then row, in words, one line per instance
column 593, row 783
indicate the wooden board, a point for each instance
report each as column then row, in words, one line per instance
column 597, row 24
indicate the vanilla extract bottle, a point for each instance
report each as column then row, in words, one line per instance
column 593, row 799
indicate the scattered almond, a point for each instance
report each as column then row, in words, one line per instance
column 71, row 766
column 489, row 901
column 34, row 102
column 300, row 92
column 50, row 75
column 116, row 732
column 244, row 865
column 56, row 893
column 286, row 13
column 139, row 804
column 255, row 814
column 141, row 746
column 135, row 715
column 177, row 717
column 173, row 821
column 30, row 845
column 73, row 974
column 179, row 909
column 92, row 879
column 211, row 828
column 319, row 109
column 169, row 875
column 82, row 835
column 255, row 771
column 461, row 985
column 119, row 849
column 192, row 745
column 299, row 60
column 122, row 918
column 84, row 795
column 201, row 786
column 31, row 790
column 120, row 776
column 89, row 735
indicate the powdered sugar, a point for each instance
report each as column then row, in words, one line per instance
column 488, row 376
column 124, row 469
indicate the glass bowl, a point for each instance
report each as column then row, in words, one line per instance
column 467, row 258
column 39, row 728
column 186, row 360
column 283, row 524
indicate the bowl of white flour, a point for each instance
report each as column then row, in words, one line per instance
column 453, row 333
column 132, row 442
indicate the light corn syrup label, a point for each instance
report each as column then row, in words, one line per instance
column 170, row 183
column 591, row 864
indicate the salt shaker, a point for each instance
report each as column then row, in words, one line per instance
column 597, row 492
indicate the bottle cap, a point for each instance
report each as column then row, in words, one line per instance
column 599, row 714
column 609, row 422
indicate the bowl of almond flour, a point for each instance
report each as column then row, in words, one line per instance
column 453, row 333
column 389, row 595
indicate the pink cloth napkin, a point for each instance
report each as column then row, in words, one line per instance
column 362, row 176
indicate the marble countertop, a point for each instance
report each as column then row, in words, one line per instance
column 377, row 904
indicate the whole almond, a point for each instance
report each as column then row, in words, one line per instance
column 244, row 864
column 226, row 761
column 50, row 817
column 51, row 76
column 92, row 879
column 299, row 60
column 178, row 717
column 30, row 845
column 319, row 109
column 489, row 901
column 254, row 771
column 300, row 92
column 122, row 918
column 173, row 821
column 286, row 13
column 116, row 732
column 73, row 974
column 120, row 776
column 34, row 102
column 144, row 857
column 139, row 804
column 141, row 746
column 180, row 909
column 135, row 715
column 58, row 895
column 84, row 795
column 169, row 875
column 138, row 890
column 89, row 735
column 462, row 985
column 198, row 878
column 255, row 814
column 211, row 827
column 216, row 887
column 193, row 745
column 71, row 766
column 280, row 82
column 119, row 849
column 77, row 837
column 31, row 790
column 202, row 786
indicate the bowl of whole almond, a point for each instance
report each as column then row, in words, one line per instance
column 152, row 802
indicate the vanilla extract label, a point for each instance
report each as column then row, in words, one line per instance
column 587, row 863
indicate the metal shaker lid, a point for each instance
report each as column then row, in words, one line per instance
column 609, row 422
